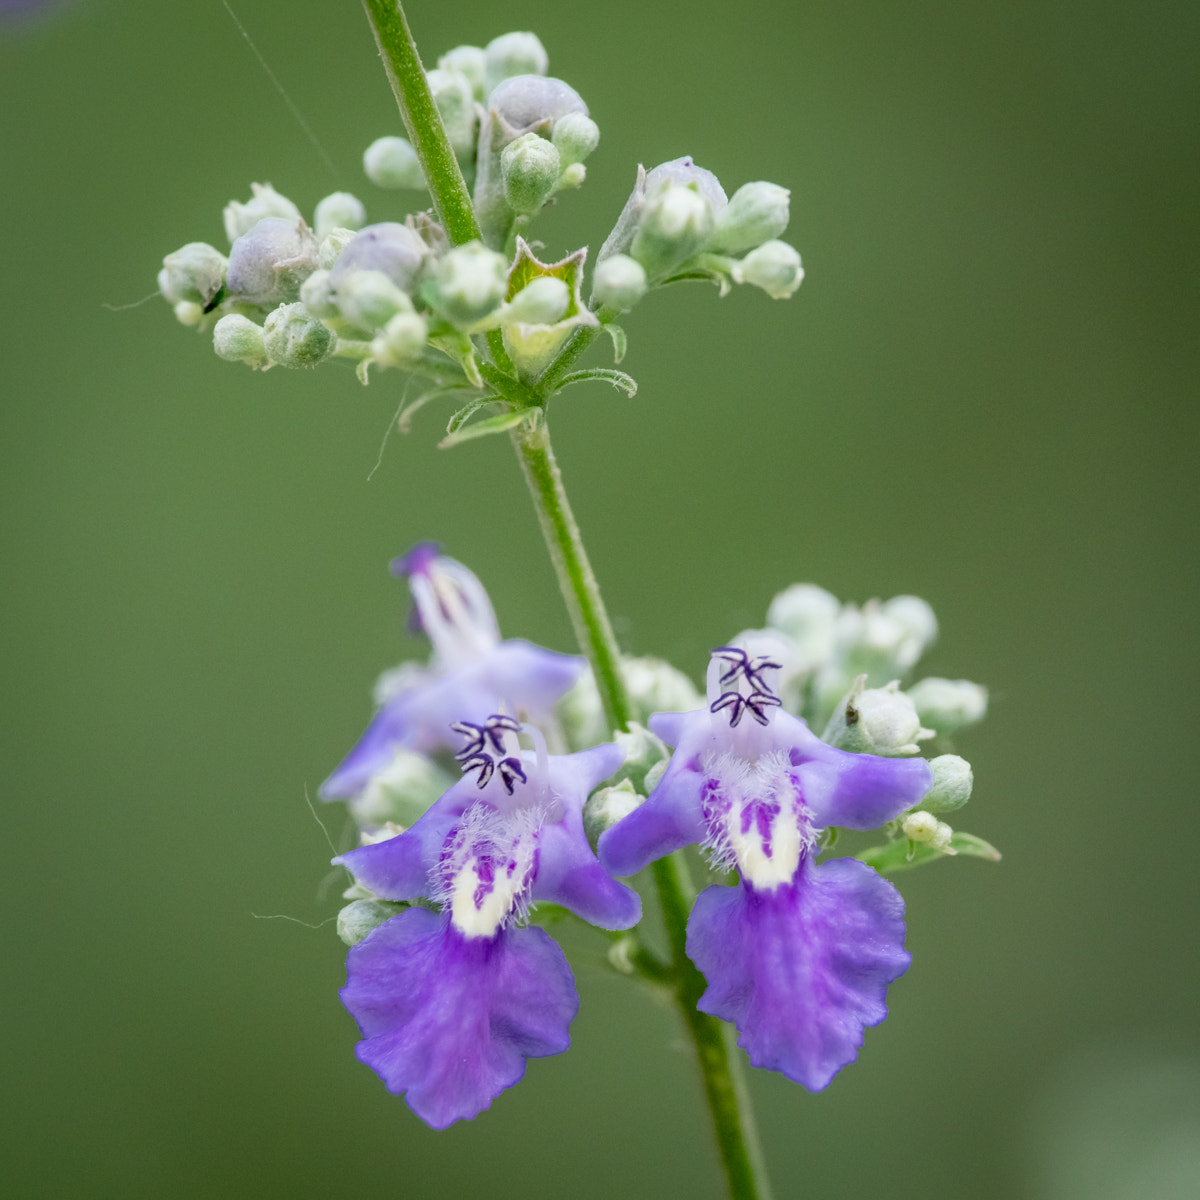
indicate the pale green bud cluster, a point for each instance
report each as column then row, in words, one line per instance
column 391, row 162
column 678, row 223
column 880, row 721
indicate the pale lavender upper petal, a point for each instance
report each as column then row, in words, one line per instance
column 801, row 970
column 516, row 676
column 450, row 1021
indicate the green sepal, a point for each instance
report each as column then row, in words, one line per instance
column 619, row 341
column 532, row 347
column 404, row 424
column 468, row 410
column 904, row 852
column 619, row 380
column 461, row 349
column 497, row 424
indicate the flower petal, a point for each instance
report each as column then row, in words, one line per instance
column 450, row 1020
column 801, row 969
column 568, row 874
column 670, row 819
column 859, row 791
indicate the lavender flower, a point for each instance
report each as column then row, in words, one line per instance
column 471, row 673
column 452, row 1003
column 797, row 955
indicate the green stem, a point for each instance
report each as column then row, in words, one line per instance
column 422, row 119
column 717, row 1057
column 575, row 577
column 728, row 1102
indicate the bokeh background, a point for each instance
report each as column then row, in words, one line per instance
column 984, row 393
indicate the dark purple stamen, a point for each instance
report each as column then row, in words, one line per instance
column 756, row 704
column 747, row 668
column 510, row 771
column 474, row 756
column 485, row 764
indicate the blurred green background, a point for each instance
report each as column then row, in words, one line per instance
column 984, row 393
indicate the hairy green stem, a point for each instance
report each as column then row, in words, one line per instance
column 728, row 1102
column 593, row 631
column 422, row 120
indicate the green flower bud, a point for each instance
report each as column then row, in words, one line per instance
column 195, row 272
column 265, row 202
column 268, row 264
column 925, row 827
column 575, row 136
column 807, row 614
column 238, row 339
column 401, row 340
column 391, row 162
column 774, row 267
column 953, row 780
column 470, row 61
column 876, row 721
column 513, row 54
column 396, row 250
column 293, row 337
column 339, row 210
column 370, row 299
column 542, row 301
column 675, row 223
column 332, row 245
column 455, row 98
column 530, row 168
column 607, row 806
column 356, row 920
column 756, row 213
column 188, row 312
column 644, row 754
column 619, row 282
column 467, row 284
column 572, row 177
column 949, row 704
column 402, row 791
column 317, row 296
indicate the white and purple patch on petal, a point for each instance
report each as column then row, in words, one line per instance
column 800, row 969
column 449, row 1020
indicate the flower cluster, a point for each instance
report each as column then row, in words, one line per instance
column 396, row 293
column 452, row 985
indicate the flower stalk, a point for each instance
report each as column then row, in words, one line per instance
column 724, row 1088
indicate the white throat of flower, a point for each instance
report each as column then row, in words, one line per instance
column 488, row 864
column 756, row 818
column 455, row 611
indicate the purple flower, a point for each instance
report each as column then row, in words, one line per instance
column 797, row 955
column 452, row 1003
column 471, row 673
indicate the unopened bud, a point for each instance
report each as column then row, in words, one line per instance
column 391, row 162
column 238, row 339
column 195, row 272
column 390, row 247
column 356, row 920
column 293, row 337
column 756, row 213
column 455, row 99
column 470, row 61
column 774, row 267
column 317, row 296
column 572, row 177
column 925, row 827
column 402, row 791
column 575, row 136
column 370, row 299
column 401, row 340
column 467, row 284
column 876, row 721
column 332, row 245
column 949, row 704
column 526, row 101
column 513, row 54
column 339, row 210
column 188, row 312
column 952, row 783
column 530, row 169
column 619, row 282
column 268, row 264
column 265, row 202
column 607, row 806
column 675, row 224
column 542, row 301
column 807, row 614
